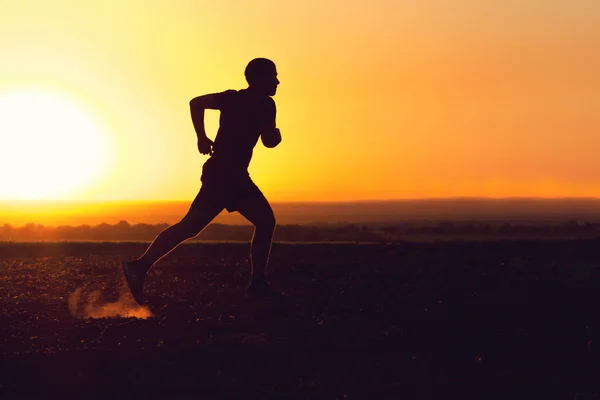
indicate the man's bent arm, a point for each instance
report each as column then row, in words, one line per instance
column 197, row 107
column 198, row 121
column 271, row 137
column 269, row 134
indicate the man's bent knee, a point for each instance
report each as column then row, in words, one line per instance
column 266, row 224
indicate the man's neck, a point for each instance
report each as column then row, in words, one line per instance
column 255, row 93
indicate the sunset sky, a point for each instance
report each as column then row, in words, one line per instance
column 378, row 99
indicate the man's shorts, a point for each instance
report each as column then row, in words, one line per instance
column 226, row 193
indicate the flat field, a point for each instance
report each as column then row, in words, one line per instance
column 505, row 319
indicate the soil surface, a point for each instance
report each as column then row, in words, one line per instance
column 507, row 319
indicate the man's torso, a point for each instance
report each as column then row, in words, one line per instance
column 242, row 116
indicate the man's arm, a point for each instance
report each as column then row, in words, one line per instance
column 269, row 134
column 198, row 104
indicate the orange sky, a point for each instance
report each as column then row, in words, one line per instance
column 378, row 99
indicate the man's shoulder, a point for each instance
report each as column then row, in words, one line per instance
column 244, row 98
column 226, row 98
column 229, row 92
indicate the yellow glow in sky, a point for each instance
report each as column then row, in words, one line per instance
column 53, row 146
column 378, row 100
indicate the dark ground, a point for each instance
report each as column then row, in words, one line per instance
column 510, row 319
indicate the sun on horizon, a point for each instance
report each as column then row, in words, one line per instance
column 56, row 147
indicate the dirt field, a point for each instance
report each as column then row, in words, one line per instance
column 512, row 319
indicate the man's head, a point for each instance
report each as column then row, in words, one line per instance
column 261, row 75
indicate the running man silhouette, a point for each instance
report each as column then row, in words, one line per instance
column 246, row 115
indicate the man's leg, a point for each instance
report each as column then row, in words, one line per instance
column 191, row 225
column 197, row 218
column 257, row 210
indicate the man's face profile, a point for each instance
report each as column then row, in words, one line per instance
column 267, row 83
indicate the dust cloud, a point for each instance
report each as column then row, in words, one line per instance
column 93, row 306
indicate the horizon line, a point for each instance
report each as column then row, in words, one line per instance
column 116, row 201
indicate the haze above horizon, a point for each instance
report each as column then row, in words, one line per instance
column 391, row 211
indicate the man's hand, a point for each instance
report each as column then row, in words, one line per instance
column 271, row 137
column 205, row 145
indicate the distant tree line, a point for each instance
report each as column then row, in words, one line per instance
column 214, row 232
column 380, row 233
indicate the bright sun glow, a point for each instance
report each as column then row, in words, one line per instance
column 51, row 146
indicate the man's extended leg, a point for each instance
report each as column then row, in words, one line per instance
column 197, row 218
column 258, row 211
column 191, row 225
